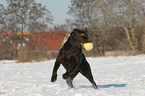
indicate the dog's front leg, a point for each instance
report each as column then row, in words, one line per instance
column 75, row 68
column 54, row 73
column 71, row 71
column 65, row 75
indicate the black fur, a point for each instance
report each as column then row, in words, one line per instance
column 72, row 58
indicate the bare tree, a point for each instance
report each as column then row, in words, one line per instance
column 84, row 13
column 2, row 18
column 62, row 27
column 27, row 15
column 126, row 13
column 39, row 17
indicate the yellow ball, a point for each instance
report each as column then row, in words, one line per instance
column 88, row 46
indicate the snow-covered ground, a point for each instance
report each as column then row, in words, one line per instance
column 115, row 76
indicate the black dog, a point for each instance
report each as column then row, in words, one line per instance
column 72, row 58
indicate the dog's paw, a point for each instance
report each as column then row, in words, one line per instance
column 54, row 78
column 65, row 75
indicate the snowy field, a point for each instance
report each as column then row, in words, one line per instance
column 115, row 76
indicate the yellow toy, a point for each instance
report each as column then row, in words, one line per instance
column 88, row 46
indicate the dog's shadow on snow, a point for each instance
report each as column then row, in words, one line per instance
column 105, row 86
column 112, row 85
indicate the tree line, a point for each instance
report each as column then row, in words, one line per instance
column 20, row 16
column 24, row 15
column 112, row 24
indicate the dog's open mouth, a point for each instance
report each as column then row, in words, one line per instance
column 82, row 45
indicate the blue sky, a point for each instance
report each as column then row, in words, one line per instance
column 58, row 9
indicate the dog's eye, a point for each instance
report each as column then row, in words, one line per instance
column 83, row 34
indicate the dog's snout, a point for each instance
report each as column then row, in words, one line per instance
column 86, row 39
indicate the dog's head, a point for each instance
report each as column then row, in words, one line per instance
column 80, row 36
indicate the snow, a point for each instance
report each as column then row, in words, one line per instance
column 115, row 76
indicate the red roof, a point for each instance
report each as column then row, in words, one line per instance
column 47, row 40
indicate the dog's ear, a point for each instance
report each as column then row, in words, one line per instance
column 75, row 29
column 73, row 32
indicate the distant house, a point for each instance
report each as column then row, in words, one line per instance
column 43, row 40
column 46, row 42
column 50, row 41
column 14, row 33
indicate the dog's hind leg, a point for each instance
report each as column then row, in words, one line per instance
column 85, row 70
column 69, row 80
column 90, row 78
